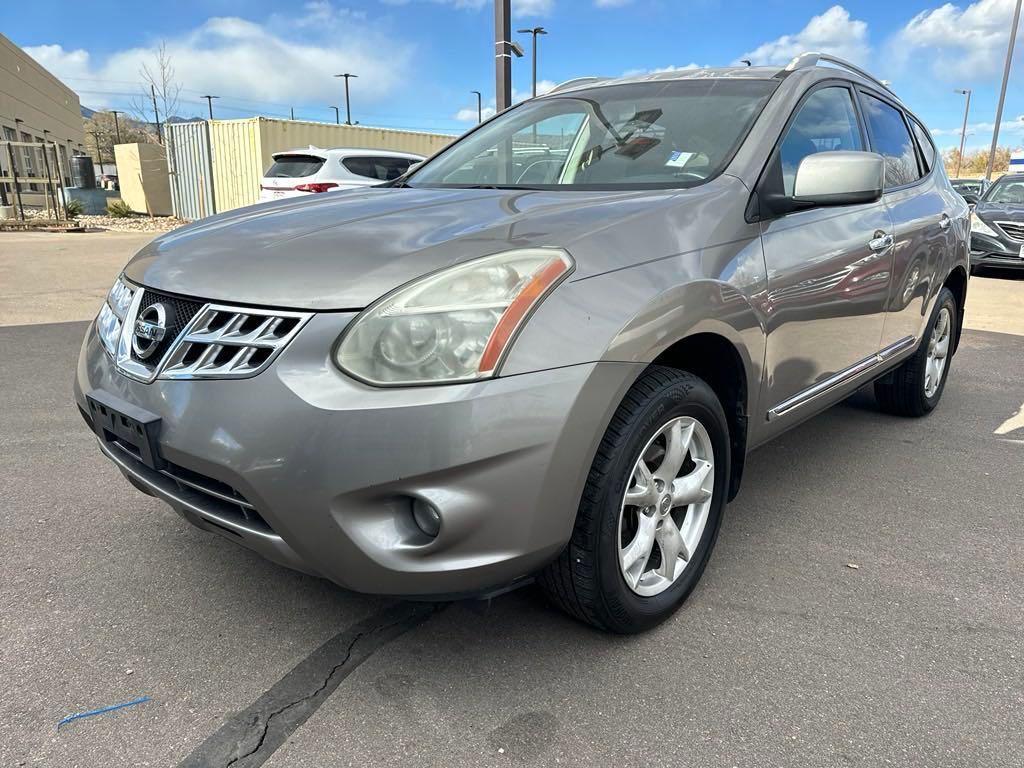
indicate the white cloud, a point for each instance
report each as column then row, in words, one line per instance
column 468, row 114
column 287, row 59
column 657, row 70
column 1011, row 133
column 955, row 41
column 831, row 32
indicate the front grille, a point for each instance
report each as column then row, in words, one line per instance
column 230, row 342
column 204, row 340
column 1014, row 229
column 179, row 314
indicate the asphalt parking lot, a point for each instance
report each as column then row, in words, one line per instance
column 785, row 655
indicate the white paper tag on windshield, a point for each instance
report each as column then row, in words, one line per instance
column 678, row 159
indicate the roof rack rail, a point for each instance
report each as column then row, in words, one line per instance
column 575, row 82
column 812, row 59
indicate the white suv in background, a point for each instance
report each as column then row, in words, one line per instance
column 309, row 171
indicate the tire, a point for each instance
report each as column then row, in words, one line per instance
column 907, row 390
column 588, row 581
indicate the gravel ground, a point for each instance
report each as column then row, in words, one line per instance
column 137, row 223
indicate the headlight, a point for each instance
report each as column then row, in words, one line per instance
column 112, row 314
column 979, row 226
column 453, row 325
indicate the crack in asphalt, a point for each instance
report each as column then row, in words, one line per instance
column 251, row 736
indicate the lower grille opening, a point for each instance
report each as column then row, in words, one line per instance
column 212, row 496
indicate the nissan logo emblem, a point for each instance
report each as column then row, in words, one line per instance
column 150, row 329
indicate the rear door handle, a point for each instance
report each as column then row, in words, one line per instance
column 881, row 242
column 944, row 222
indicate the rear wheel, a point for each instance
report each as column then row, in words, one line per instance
column 914, row 388
column 651, row 509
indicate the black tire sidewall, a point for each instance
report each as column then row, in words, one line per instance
column 691, row 397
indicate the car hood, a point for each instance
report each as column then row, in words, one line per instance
column 342, row 250
column 999, row 211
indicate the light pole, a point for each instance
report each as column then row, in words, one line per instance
column 534, row 31
column 504, row 48
column 337, row 116
column 209, row 103
column 479, row 106
column 963, row 131
column 1002, row 91
column 117, row 125
column 348, row 108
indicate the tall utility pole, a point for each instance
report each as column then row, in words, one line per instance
column 293, row 112
column 502, row 55
column 479, row 106
column 1002, row 92
column 963, row 132
column 348, row 108
column 117, row 125
column 99, row 154
column 209, row 103
column 337, row 115
column 156, row 114
column 534, row 31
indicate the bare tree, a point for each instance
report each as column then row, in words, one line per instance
column 101, row 126
column 159, row 86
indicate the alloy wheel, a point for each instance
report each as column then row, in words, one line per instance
column 938, row 351
column 665, row 507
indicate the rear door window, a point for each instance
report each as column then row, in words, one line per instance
column 379, row 168
column 891, row 139
column 294, row 166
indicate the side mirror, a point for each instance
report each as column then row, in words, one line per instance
column 839, row 178
column 970, row 197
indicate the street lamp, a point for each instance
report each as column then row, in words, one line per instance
column 1002, row 91
column 209, row 103
column 963, row 131
column 348, row 108
column 534, row 31
column 337, row 117
column 480, row 106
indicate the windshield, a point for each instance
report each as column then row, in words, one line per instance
column 966, row 186
column 656, row 134
column 294, row 166
column 1007, row 191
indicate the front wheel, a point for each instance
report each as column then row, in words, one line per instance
column 651, row 508
column 914, row 388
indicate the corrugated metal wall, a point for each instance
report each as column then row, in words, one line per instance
column 236, row 162
column 188, row 166
column 242, row 149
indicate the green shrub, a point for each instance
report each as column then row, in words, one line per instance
column 75, row 208
column 119, row 209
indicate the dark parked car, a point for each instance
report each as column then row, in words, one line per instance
column 997, row 225
column 970, row 190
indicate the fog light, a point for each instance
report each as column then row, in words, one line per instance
column 427, row 518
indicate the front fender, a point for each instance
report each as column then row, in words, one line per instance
column 634, row 314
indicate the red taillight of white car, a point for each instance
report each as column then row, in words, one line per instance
column 320, row 186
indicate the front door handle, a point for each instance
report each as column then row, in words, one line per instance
column 944, row 222
column 880, row 242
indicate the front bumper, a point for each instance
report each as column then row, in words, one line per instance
column 328, row 467
column 996, row 252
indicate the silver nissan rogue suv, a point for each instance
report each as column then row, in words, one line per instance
column 545, row 352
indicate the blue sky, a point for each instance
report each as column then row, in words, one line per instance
column 418, row 60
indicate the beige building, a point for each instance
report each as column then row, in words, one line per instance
column 36, row 106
